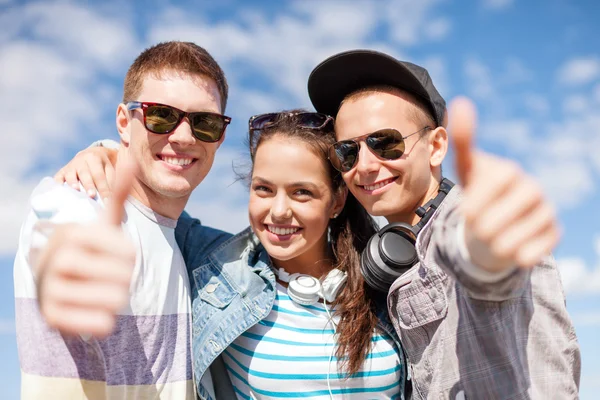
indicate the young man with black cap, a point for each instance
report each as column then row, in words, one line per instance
column 473, row 291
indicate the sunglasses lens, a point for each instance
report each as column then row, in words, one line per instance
column 208, row 127
column 312, row 120
column 161, row 119
column 263, row 121
column 343, row 155
column 386, row 143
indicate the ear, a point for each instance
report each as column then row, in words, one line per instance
column 438, row 145
column 123, row 124
column 339, row 201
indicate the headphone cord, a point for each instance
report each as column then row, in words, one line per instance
column 332, row 347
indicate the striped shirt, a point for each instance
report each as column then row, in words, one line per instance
column 291, row 354
column 148, row 354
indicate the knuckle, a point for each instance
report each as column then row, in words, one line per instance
column 511, row 171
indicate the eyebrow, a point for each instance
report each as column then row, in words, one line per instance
column 292, row 184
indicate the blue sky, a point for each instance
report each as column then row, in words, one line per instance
column 532, row 68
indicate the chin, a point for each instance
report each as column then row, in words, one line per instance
column 383, row 209
column 175, row 192
column 280, row 253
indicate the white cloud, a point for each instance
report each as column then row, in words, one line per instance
column 53, row 96
column 497, row 4
column 536, row 103
column 586, row 319
column 579, row 71
column 567, row 183
column 103, row 39
column 272, row 49
column 516, row 71
column 408, row 19
column 437, row 29
column 596, row 93
column 514, row 134
column 565, row 159
column 480, row 79
column 578, row 279
column 7, row 326
column 575, row 104
column 590, row 384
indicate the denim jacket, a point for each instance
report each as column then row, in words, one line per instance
column 232, row 288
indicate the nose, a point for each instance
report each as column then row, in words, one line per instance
column 183, row 135
column 280, row 209
column 367, row 161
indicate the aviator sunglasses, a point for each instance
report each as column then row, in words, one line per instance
column 385, row 143
column 162, row 119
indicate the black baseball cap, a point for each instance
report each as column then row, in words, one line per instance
column 343, row 73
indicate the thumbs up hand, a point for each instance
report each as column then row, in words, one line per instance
column 84, row 271
column 508, row 222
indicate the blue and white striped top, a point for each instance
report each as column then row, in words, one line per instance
column 291, row 353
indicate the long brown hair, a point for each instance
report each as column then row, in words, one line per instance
column 349, row 234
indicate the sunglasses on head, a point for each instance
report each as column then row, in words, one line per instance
column 385, row 143
column 308, row 120
column 162, row 119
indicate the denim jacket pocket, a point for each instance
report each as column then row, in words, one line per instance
column 213, row 288
column 420, row 301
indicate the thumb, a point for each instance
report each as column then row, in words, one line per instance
column 124, row 176
column 463, row 118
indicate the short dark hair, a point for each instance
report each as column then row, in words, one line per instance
column 186, row 57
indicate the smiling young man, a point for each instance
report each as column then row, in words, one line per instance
column 481, row 312
column 103, row 304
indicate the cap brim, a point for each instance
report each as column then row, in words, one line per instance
column 338, row 76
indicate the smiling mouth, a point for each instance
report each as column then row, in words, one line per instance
column 177, row 161
column 378, row 185
column 280, row 231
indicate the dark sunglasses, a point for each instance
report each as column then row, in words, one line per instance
column 162, row 119
column 308, row 120
column 385, row 143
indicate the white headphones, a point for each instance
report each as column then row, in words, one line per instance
column 306, row 289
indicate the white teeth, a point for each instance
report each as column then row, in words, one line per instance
column 281, row 231
column 377, row 185
column 177, row 161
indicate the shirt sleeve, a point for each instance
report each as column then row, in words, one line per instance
column 51, row 203
column 445, row 241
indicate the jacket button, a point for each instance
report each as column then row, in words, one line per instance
column 211, row 287
column 433, row 294
column 215, row 345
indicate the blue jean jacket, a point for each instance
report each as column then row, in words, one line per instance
column 232, row 288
